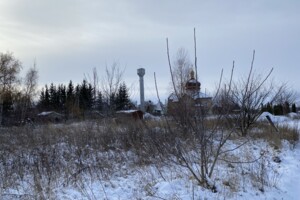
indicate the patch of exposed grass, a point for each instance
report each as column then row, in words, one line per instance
column 289, row 134
column 269, row 134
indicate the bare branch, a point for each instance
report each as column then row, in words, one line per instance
column 195, row 47
column 171, row 71
column 219, row 86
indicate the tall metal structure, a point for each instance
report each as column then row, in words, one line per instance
column 141, row 73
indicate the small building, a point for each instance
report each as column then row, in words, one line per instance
column 158, row 111
column 127, row 115
column 50, row 116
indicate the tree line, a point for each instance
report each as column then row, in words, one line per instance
column 79, row 100
column 18, row 94
column 279, row 108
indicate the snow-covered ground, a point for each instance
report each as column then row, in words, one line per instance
column 173, row 182
column 129, row 179
column 290, row 169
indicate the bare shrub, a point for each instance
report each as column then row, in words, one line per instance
column 245, row 97
column 50, row 156
column 196, row 142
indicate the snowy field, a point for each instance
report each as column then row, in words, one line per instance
column 151, row 182
column 124, row 174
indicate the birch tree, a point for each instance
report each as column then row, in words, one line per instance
column 9, row 70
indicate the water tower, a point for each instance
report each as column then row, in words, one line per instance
column 141, row 73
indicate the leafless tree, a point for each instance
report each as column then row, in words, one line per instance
column 198, row 140
column 9, row 70
column 29, row 90
column 248, row 95
column 181, row 71
column 287, row 95
column 111, row 81
column 95, row 82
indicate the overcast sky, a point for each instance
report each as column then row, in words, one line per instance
column 68, row 38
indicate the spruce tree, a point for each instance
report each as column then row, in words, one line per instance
column 263, row 108
column 53, row 97
column 76, row 95
column 270, row 108
column 70, row 99
column 41, row 102
column 99, row 102
column 294, row 109
column 86, row 99
column 47, row 98
column 122, row 99
column 286, row 108
column 278, row 109
column 62, row 97
column 90, row 97
column 83, row 96
column 112, row 102
column 70, row 94
column 44, row 99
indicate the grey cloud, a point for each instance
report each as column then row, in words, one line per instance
column 77, row 35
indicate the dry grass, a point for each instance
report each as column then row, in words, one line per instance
column 269, row 134
column 290, row 134
column 52, row 156
column 47, row 157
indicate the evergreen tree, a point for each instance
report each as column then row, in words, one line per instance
column 7, row 104
column 53, row 97
column 77, row 96
column 47, row 98
column 91, row 97
column 294, row 109
column 84, row 96
column 41, row 102
column 270, row 108
column 70, row 99
column 286, row 108
column 62, row 96
column 44, row 102
column 278, row 109
column 122, row 98
column 112, row 102
column 263, row 108
column 99, row 102
column 75, row 108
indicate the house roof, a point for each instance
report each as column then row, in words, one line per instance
column 128, row 111
column 157, row 106
column 173, row 97
column 49, row 113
